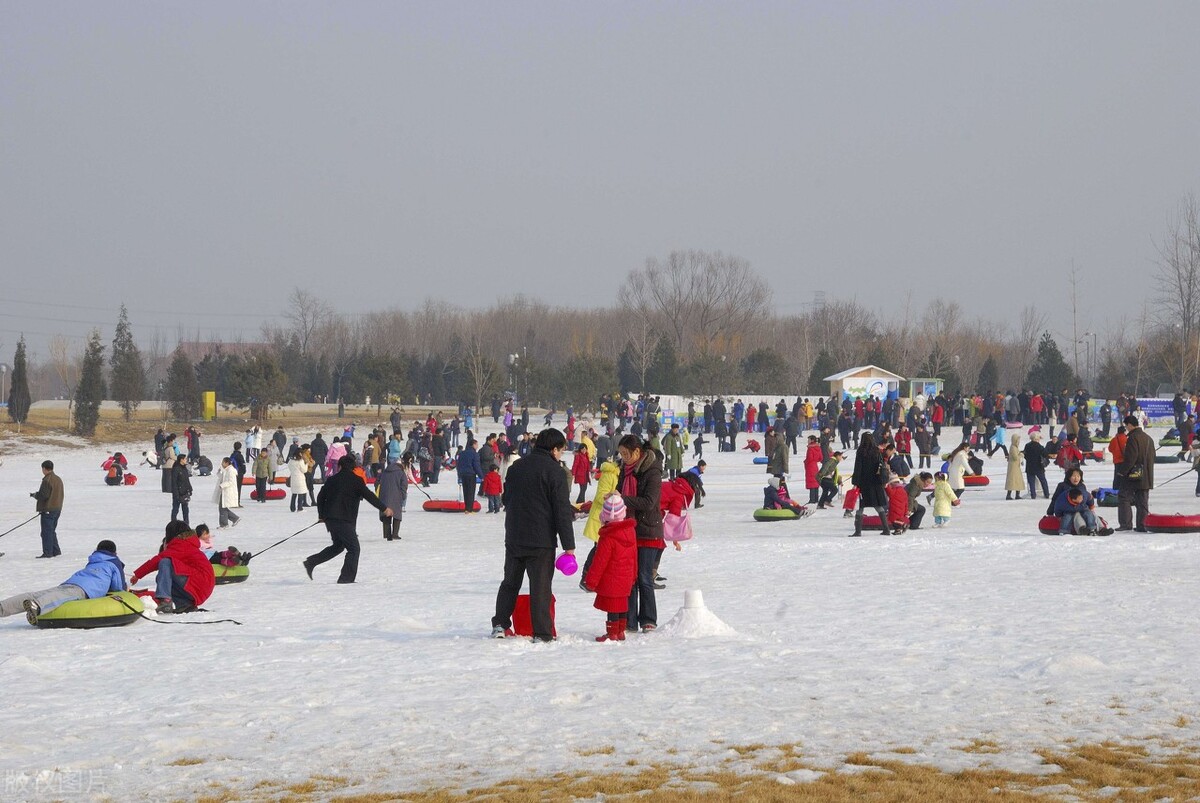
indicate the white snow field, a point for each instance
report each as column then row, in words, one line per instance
column 926, row 641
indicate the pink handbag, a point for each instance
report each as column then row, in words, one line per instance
column 677, row 528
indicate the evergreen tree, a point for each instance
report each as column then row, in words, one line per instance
column 989, row 376
column 258, row 383
column 182, row 390
column 128, row 373
column 582, row 379
column 627, row 375
column 1113, row 378
column 663, row 376
column 763, row 372
column 1050, row 371
column 90, row 391
column 18, row 394
column 823, row 367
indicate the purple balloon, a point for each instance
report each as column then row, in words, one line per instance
column 567, row 564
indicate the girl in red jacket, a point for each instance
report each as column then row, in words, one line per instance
column 493, row 487
column 581, row 472
column 614, row 567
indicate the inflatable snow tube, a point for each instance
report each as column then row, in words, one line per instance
column 975, row 480
column 1100, row 439
column 1166, row 458
column 1176, row 523
column 1096, row 455
column 586, row 507
column 871, row 523
column 1108, row 501
column 230, row 574
column 117, row 609
column 1048, row 525
column 1014, row 424
column 250, row 481
column 760, row 461
column 764, row 514
column 129, row 479
column 448, row 506
column 1169, row 442
column 272, row 493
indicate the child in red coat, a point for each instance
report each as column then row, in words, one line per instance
column 897, row 505
column 850, row 502
column 493, row 487
column 614, row 567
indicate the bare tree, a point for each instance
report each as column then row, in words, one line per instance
column 307, row 313
column 940, row 325
column 67, row 367
column 483, row 371
column 1025, row 343
column 1178, row 282
column 703, row 301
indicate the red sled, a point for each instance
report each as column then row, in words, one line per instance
column 272, row 493
column 129, row 479
column 448, row 506
column 522, row 625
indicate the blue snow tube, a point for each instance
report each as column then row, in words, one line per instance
column 760, row 461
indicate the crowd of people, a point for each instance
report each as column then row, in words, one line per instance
column 529, row 478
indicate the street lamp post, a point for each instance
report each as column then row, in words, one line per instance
column 3, row 383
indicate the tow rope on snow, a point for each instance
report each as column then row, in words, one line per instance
column 176, row 622
column 19, row 526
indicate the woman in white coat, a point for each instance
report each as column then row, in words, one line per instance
column 957, row 468
column 297, row 483
column 226, row 493
column 1014, row 480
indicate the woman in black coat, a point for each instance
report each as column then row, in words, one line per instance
column 870, row 475
column 1035, row 465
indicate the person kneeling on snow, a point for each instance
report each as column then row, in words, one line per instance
column 1075, row 514
column 775, row 497
column 613, row 566
column 185, row 576
column 104, row 573
column 897, row 505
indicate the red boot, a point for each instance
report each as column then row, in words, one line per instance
column 612, row 633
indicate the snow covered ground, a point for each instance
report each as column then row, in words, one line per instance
column 985, row 630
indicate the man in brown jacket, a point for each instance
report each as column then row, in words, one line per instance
column 1137, row 477
column 49, row 505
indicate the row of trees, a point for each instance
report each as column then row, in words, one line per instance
column 693, row 323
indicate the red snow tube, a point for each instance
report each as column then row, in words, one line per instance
column 975, row 480
column 129, row 479
column 272, row 493
column 1099, row 455
column 250, row 481
column 586, row 507
column 1177, row 523
column 1048, row 525
column 448, row 506
column 871, row 523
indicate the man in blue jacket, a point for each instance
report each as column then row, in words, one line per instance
column 104, row 573
column 470, row 473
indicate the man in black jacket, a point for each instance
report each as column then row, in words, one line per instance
column 337, row 507
column 319, row 450
column 537, row 510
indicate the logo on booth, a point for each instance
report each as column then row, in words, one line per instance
column 871, row 387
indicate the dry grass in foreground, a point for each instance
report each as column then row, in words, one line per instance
column 1106, row 771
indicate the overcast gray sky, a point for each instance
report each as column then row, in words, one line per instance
column 204, row 158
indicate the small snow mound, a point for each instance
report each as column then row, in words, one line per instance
column 798, row 776
column 1070, row 663
column 694, row 620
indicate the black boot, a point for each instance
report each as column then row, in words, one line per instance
column 1008, row 496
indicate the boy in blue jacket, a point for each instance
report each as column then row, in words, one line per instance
column 1074, row 511
column 104, row 573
